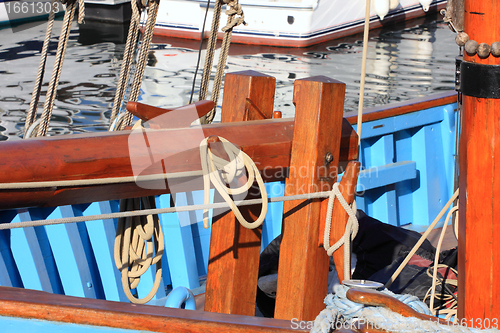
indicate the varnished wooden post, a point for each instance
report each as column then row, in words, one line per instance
column 479, row 211
column 303, row 264
column 234, row 250
column 248, row 95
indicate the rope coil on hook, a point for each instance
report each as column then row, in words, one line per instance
column 217, row 170
column 139, row 244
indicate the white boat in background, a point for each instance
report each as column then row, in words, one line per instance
column 288, row 23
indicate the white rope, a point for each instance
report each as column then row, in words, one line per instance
column 213, row 167
column 363, row 71
column 340, row 312
column 98, row 181
column 36, row 223
column 351, row 229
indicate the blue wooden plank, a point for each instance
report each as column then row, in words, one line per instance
column 435, row 172
column 402, row 122
column 179, row 247
column 404, row 189
column 69, row 255
column 201, row 236
column 272, row 225
column 420, row 185
column 102, row 237
column 33, row 256
column 386, row 174
column 9, row 274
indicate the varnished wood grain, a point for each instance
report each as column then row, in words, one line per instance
column 248, row 95
column 31, row 304
column 479, row 229
column 234, row 250
column 101, row 155
column 303, row 265
column 170, row 118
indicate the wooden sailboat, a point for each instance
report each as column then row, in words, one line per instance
column 318, row 137
column 272, row 148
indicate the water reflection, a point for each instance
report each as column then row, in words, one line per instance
column 403, row 62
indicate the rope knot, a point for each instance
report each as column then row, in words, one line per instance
column 233, row 21
column 216, row 170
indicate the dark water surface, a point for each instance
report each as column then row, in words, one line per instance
column 405, row 61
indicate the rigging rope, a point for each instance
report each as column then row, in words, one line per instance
column 232, row 21
column 137, row 237
column 36, row 223
column 128, row 57
column 56, row 72
column 212, row 41
column 141, row 62
column 35, row 96
column 41, row 126
column 363, row 71
column 450, row 311
column 340, row 309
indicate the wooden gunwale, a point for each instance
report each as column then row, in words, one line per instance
column 400, row 108
column 24, row 303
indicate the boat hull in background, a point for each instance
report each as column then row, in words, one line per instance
column 283, row 23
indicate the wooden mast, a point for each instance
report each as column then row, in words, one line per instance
column 479, row 212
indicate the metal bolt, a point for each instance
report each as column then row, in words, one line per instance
column 328, row 157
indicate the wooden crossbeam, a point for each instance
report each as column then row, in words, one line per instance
column 101, row 155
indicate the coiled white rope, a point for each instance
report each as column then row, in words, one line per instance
column 339, row 308
column 351, row 229
column 216, row 169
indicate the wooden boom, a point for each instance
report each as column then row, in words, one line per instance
column 119, row 154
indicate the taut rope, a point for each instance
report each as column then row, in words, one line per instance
column 232, row 21
column 35, row 97
column 56, row 71
column 141, row 62
column 128, row 57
